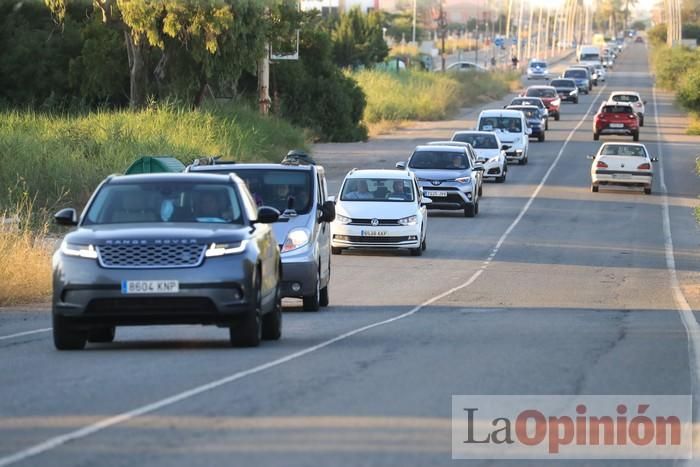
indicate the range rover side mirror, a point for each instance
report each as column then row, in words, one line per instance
column 67, row 217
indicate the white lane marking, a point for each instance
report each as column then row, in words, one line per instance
column 25, row 333
column 692, row 328
column 60, row 440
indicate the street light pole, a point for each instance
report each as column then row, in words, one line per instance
column 415, row 9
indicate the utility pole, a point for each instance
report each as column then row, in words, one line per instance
column 442, row 24
column 539, row 32
column 519, row 33
column 529, row 32
column 415, row 10
column 546, row 34
column 264, row 78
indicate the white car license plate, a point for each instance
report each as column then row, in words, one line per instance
column 436, row 194
column 621, row 175
column 617, row 125
column 150, row 287
column 373, row 233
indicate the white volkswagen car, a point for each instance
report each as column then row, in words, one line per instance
column 489, row 151
column 632, row 98
column 625, row 164
column 380, row 209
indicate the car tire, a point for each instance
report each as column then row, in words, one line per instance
column 65, row 337
column 576, row 101
column 641, row 120
column 546, row 124
column 272, row 322
column 594, row 188
column 502, row 178
column 540, row 137
column 417, row 251
column 596, row 136
column 336, row 250
column 481, row 190
column 469, row 210
column 101, row 334
column 424, row 243
column 647, row 191
column 523, row 161
column 247, row 331
column 313, row 302
column 556, row 117
column 635, row 136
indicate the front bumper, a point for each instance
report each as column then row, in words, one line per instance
column 537, row 75
column 358, row 236
column 301, row 269
column 568, row 97
column 216, row 292
column 515, row 154
column 455, row 196
column 492, row 169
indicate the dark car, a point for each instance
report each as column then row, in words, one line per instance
column 534, row 120
column 537, row 102
column 566, row 89
column 167, row 249
column 581, row 77
column 616, row 119
column 298, row 190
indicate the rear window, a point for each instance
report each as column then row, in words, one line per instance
column 589, row 57
column 563, row 83
column 540, row 92
column 617, row 109
column 538, row 64
column 625, row 98
column 439, row 160
column 580, row 74
column 521, row 101
column 623, row 150
column 478, row 141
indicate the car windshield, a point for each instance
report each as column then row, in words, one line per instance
column 617, row 109
column 625, row 98
column 538, row 64
column 478, row 141
column 580, row 74
column 589, row 57
column 510, row 124
column 521, row 101
column 166, row 201
column 439, row 160
column 563, row 83
column 280, row 189
column 622, row 150
column 377, row 189
column 541, row 92
column 529, row 112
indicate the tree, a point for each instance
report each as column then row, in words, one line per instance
column 358, row 39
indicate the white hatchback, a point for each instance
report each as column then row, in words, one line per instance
column 489, row 151
column 380, row 209
column 632, row 98
column 626, row 164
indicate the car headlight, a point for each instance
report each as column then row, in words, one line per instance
column 221, row 249
column 463, row 179
column 79, row 251
column 556, row 102
column 342, row 219
column 296, row 238
column 410, row 220
column 493, row 159
column 573, row 93
column 518, row 151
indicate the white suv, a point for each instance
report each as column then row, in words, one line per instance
column 632, row 98
column 380, row 209
column 511, row 128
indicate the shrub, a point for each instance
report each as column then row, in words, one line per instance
column 688, row 90
column 671, row 64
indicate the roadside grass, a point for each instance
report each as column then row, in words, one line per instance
column 420, row 95
column 25, row 257
column 694, row 125
column 58, row 160
column 697, row 171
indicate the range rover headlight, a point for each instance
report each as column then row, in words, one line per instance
column 79, row 251
column 221, row 249
column 296, row 239
column 410, row 220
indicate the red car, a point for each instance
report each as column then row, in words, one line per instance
column 616, row 119
column 549, row 96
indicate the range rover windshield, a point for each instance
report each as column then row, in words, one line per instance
column 162, row 202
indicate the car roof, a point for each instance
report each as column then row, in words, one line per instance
column 622, row 143
column 169, row 177
column 622, row 93
column 565, row 79
column 528, row 107
column 475, row 132
column 615, row 103
column 504, row 112
column 219, row 167
column 435, row 148
column 447, row 142
column 380, row 173
column 538, row 86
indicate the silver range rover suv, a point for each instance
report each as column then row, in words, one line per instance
column 167, row 249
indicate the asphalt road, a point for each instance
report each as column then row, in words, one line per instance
column 551, row 289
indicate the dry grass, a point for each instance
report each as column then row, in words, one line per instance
column 694, row 125
column 384, row 127
column 25, row 258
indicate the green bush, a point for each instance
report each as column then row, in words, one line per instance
column 671, row 64
column 688, row 90
column 417, row 95
column 59, row 160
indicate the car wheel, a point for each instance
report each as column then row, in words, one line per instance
column 247, row 331
column 641, row 120
column 469, row 210
column 647, row 191
column 502, row 178
column 336, row 250
column 476, row 208
column 101, row 334
column 546, row 124
column 523, row 161
column 325, row 297
column 596, row 136
column 481, row 190
column 65, row 337
column 635, row 136
column 424, row 244
column 417, row 251
column 557, row 117
column 540, row 138
column 594, row 188
column 272, row 321
column 576, row 101
column 313, row 302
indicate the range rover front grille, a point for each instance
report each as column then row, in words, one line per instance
column 151, row 256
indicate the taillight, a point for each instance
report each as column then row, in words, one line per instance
column 601, row 165
column 632, row 116
column 645, row 166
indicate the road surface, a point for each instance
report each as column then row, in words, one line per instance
column 551, row 289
